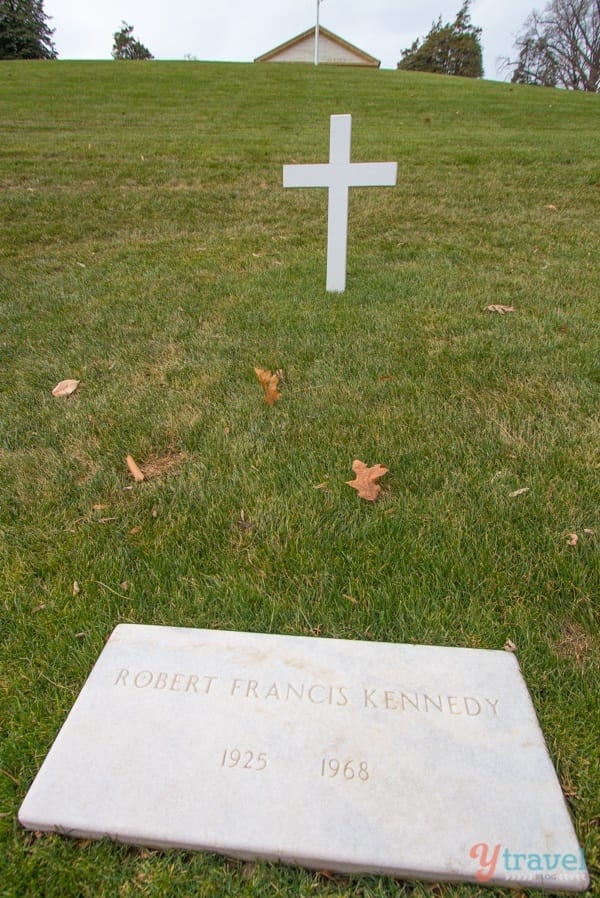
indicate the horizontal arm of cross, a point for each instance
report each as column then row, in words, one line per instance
column 307, row 175
column 348, row 174
column 372, row 174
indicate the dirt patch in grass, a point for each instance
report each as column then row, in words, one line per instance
column 163, row 465
column 575, row 643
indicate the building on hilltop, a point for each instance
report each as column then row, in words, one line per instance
column 333, row 50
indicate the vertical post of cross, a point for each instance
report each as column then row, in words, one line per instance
column 340, row 136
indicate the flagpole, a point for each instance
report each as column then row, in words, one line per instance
column 317, row 35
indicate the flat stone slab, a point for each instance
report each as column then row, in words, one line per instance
column 416, row 761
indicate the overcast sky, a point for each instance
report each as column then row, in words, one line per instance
column 239, row 30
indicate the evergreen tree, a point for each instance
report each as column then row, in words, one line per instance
column 24, row 30
column 450, row 49
column 127, row 47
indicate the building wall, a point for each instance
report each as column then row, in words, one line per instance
column 330, row 52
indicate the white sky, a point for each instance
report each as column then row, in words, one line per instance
column 239, row 30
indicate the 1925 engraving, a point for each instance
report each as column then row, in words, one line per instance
column 244, row 759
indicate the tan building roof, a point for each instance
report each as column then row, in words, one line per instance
column 333, row 50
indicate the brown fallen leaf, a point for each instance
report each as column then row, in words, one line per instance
column 269, row 382
column 515, row 493
column 365, row 481
column 65, row 388
column 572, row 539
column 509, row 646
column 134, row 470
column 243, row 524
column 500, row 308
column 76, row 588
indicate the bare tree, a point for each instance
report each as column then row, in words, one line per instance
column 560, row 47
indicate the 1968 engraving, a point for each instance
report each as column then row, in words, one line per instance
column 347, row 770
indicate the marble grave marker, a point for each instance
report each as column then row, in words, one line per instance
column 338, row 175
column 415, row 761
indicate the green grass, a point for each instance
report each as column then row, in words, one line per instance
column 149, row 250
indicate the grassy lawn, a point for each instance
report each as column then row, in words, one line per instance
column 149, row 250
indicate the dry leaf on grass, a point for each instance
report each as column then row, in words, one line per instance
column 521, row 492
column 269, row 382
column 365, row 481
column 572, row 539
column 135, row 472
column 509, row 646
column 65, row 388
column 500, row 308
column 242, row 523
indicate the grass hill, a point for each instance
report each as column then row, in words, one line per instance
column 149, row 250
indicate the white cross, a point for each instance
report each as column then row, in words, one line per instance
column 338, row 175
